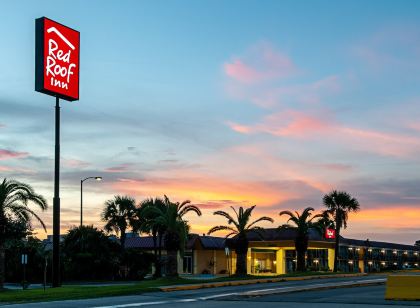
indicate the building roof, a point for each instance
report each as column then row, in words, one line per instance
column 270, row 234
column 376, row 244
column 207, row 242
column 144, row 242
column 212, row 242
column 275, row 234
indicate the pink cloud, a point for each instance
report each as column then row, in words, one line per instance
column 391, row 47
column 119, row 168
column 7, row 154
column 274, row 96
column 283, row 124
column 337, row 167
column 261, row 63
column 5, row 169
column 293, row 124
column 75, row 163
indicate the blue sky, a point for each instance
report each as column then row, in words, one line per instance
column 271, row 103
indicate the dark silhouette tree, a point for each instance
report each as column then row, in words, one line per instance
column 15, row 198
column 176, row 229
column 240, row 227
column 302, row 223
column 339, row 204
column 150, row 225
column 120, row 215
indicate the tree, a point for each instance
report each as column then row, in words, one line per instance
column 119, row 215
column 240, row 227
column 339, row 204
column 150, row 225
column 302, row 223
column 89, row 254
column 176, row 229
column 15, row 198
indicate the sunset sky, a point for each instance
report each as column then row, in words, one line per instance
column 273, row 103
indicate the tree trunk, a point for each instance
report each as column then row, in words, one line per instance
column 154, row 237
column 172, row 264
column 336, row 248
column 2, row 264
column 301, row 245
column 241, row 252
column 241, row 264
column 122, row 240
column 158, row 272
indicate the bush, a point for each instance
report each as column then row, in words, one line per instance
column 89, row 254
column 138, row 263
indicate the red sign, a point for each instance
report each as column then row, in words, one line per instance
column 57, row 59
column 329, row 233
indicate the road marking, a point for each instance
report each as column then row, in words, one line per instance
column 217, row 296
column 285, row 289
column 312, row 287
column 134, row 304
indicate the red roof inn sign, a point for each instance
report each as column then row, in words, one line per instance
column 57, row 54
column 329, row 233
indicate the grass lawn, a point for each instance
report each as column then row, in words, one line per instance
column 86, row 291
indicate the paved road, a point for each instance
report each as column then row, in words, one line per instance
column 371, row 297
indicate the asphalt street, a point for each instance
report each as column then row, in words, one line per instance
column 238, row 296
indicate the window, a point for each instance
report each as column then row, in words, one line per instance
column 187, row 266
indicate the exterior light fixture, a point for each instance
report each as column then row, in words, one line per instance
column 383, row 250
column 370, row 249
column 416, row 253
column 406, row 252
column 416, row 264
column 350, row 262
column 395, row 263
column 394, row 252
column 97, row 178
column 350, row 248
column 383, row 263
column 370, row 263
column 358, row 249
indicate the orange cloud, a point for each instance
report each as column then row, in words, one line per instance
column 201, row 189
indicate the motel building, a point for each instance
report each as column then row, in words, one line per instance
column 273, row 253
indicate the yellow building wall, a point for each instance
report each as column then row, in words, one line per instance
column 204, row 258
column 331, row 254
column 281, row 261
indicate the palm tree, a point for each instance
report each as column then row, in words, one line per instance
column 302, row 223
column 339, row 204
column 15, row 198
column 240, row 227
column 149, row 225
column 120, row 214
column 176, row 229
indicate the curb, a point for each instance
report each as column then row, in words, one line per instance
column 250, row 281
